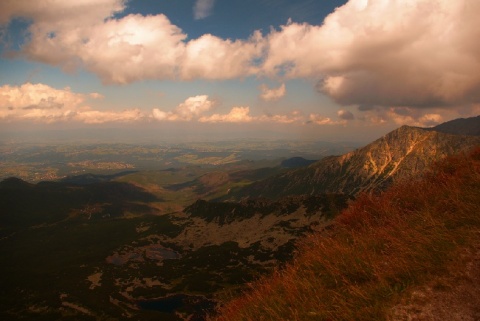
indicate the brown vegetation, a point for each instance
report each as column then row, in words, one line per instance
column 380, row 249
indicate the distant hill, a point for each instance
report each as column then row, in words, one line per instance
column 461, row 126
column 25, row 204
column 401, row 153
column 87, row 179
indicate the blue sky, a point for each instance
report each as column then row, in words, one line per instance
column 305, row 69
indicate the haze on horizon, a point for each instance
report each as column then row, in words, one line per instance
column 337, row 70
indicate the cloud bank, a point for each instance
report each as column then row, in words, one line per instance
column 419, row 54
column 190, row 109
column 40, row 103
column 43, row 104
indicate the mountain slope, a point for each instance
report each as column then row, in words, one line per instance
column 401, row 153
column 422, row 232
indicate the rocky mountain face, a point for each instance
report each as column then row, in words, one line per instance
column 401, row 153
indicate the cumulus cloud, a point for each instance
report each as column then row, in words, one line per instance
column 203, row 8
column 210, row 57
column 236, row 115
column 190, row 109
column 42, row 103
column 272, row 94
column 37, row 102
column 417, row 53
column 376, row 53
column 132, row 48
column 242, row 115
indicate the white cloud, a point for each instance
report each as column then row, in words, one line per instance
column 236, row 115
column 160, row 115
column 37, row 102
column 190, row 109
column 417, row 53
column 272, row 94
column 42, row 103
column 242, row 115
column 210, row 57
column 193, row 107
column 203, row 8
column 127, row 49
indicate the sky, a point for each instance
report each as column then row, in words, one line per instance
column 332, row 70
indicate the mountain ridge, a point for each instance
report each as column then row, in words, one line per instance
column 460, row 126
column 397, row 155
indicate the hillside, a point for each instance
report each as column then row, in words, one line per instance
column 398, row 155
column 410, row 253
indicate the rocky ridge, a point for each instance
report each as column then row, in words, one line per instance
column 398, row 155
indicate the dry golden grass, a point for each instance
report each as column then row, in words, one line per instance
column 380, row 248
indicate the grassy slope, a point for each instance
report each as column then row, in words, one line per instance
column 380, row 248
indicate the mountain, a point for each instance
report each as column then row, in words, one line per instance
column 115, row 247
column 410, row 253
column 398, row 155
column 461, row 126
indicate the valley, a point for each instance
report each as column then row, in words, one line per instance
column 115, row 252
column 120, row 229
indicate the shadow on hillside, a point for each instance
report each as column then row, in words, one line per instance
column 25, row 204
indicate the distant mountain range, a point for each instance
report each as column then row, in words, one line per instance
column 401, row 153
